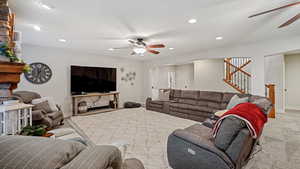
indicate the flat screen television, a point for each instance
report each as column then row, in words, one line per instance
column 93, row 79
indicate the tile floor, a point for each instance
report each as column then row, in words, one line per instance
column 146, row 133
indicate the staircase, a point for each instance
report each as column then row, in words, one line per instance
column 236, row 74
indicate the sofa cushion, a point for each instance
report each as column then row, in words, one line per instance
column 189, row 94
column 176, row 95
column 192, row 107
column 235, row 100
column 211, row 96
column 227, row 132
column 36, row 152
column 164, row 95
column 159, row 102
column 227, row 96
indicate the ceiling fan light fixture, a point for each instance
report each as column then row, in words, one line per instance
column 139, row 50
column 192, row 21
column 219, row 38
column 36, row 27
column 111, row 49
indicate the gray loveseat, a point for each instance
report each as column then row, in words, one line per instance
column 23, row 152
column 192, row 104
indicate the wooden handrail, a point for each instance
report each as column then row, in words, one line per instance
column 241, row 67
column 238, row 69
column 271, row 96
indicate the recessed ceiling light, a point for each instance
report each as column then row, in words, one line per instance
column 171, row 48
column 46, row 6
column 219, row 38
column 111, row 49
column 36, row 27
column 192, row 21
column 62, row 40
column 42, row 5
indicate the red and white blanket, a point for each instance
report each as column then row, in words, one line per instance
column 252, row 115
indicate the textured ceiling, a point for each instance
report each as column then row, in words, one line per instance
column 96, row 25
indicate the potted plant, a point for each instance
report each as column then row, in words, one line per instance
column 36, row 130
column 6, row 54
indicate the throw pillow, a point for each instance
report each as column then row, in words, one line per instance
column 44, row 106
column 229, row 129
column 164, row 95
column 50, row 102
column 37, row 152
column 264, row 104
column 235, row 100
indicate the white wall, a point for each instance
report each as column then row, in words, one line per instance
column 274, row 74
column 257, row 51
column 292, row 81
column 209, row 75
column 184, row 76
column 60, row 61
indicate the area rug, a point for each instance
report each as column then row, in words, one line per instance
column 146, row 132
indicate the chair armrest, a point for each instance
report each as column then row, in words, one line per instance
column 38, row 115
column 148, row 100
column 203, row 142
column 97, row 157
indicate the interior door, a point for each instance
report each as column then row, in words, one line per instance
column 154, row 76
column 292, row 81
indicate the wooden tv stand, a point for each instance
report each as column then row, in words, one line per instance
column 76, row 99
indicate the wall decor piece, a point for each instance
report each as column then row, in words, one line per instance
column 128, row 77
column 40, row 73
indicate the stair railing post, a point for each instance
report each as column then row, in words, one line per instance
column 271, row 95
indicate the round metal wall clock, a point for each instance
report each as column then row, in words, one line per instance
column 40, row 73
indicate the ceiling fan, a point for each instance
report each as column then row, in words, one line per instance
column 140, row 47
column 292, row 20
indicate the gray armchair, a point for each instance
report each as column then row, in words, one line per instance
column 194, row 147
column 50, row 119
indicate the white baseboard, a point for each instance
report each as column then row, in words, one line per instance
column 293, row 108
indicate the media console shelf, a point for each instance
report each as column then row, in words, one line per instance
column 76, row 99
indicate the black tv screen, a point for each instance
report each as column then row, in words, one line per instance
column 93, row 79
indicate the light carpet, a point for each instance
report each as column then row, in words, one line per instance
column 146, row 132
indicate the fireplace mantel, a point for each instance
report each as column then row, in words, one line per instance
column 10, row 73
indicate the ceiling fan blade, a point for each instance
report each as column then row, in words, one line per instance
column 131, row 41
column 125, row 47
column 292, row 20
column 156, row 46
column 133, row 53
column 153, row 51
column 285, row 6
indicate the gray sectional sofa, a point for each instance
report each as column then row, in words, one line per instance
column 192, row 104
column 24, row 152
